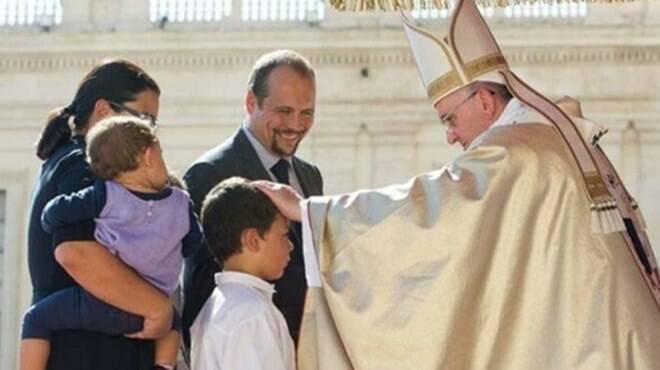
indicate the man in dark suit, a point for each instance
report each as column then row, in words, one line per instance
column 280, row 111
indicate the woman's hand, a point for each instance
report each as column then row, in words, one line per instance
column 156, row 325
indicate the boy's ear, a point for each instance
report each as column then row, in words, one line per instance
column 250, row 240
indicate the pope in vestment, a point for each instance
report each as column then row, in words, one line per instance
column 525, row 252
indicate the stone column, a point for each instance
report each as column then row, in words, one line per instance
column 76, row 16
column 235, row 18
column 133, row 15
column 16, row 286
column 651, row 13
column 104, row 15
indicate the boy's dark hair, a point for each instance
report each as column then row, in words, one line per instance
column 230, row 208
column 114, row 144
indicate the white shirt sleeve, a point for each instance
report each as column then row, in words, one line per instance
column 204, row 354
column 312, row 272
column 255, row 344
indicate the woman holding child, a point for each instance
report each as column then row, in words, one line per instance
column 70, row 256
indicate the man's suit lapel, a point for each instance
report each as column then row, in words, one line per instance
column 304, row 179
column 254, row 169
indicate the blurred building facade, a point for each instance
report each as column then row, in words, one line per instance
column 373, row 126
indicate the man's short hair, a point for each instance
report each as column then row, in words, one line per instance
column 230, row 208
column 499, row 90
column 114, row 144
column 258, row 80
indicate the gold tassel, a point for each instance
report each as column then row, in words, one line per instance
column 616, row 220
column 395, row 5
column 605, row 217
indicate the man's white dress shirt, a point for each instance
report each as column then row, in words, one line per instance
column 240, row 328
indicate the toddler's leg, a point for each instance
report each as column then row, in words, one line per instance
column 47, row 315
column 167, row 349
column 101, row 317
column 33, row 354
column 74, row 309
column 68, row 309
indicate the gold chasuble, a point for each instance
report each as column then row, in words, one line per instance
column 489, row 263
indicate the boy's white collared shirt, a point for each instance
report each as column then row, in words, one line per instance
column 239, row 328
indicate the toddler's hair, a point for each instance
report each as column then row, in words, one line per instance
column 113, row 145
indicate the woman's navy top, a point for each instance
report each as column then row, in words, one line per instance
column 64, row 172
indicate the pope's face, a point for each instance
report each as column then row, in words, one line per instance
column 461, row 116
column 286, row 114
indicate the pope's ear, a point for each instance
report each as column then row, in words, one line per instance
column 250, row 240
column 488, row 102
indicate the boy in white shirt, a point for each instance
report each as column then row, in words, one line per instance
column 239, row 327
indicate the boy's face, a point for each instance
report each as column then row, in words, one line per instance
column 275, row 248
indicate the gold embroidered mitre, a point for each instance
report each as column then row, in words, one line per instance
column 468, row 53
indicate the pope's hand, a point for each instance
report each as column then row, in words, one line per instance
column 284, row 197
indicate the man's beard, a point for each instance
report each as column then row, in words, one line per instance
column 277, row 149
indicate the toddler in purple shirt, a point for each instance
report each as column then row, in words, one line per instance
column 139, row 217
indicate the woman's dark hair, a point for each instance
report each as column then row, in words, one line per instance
column 114, row 80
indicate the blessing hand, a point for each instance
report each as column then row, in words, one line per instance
column 286, row 199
